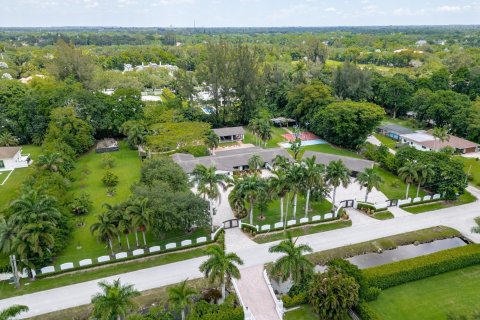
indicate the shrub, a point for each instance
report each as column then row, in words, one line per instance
column 397, row 273
column 225, row 311
column 371, row 293
column 81, row 205
column 108, row 161
column 296, row 300
column 353, row 271
column 365, row 312
column 110, row 179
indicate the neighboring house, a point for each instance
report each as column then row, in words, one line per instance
column 11, row 158
column 427, row 142
column 353, row 164
column 393, row 131
column 282, row 121
column 231, row 160
column 107, row 145
column 231, row 134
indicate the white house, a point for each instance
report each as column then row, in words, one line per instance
column 426, row 142
column 11, row 158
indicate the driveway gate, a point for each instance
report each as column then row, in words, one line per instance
column 233, row 223
column 347, row 203
column 392, row 203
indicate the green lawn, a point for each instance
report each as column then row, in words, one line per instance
column 465, row 198
column 305, row 312
column 389, row 142
column 453, row 292
column 272, row 215
column 7, row 290
column 10, row 190
column 302, row 231
column 393, row 187
column 4, row 175
column 383, row 215
column 472, row 165
column 272, row 143
column 328, row 148
column 401, row 122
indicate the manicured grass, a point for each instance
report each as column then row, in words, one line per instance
column 305, row 312
column 157, row 296
column 393, row 187
column 302, row 231
column 11, row 189
column 4, row 175
column 383, row 215
column 328, row 148
column 435, row 297
column 386, row 140
column 465, row 198
column 401, row 122
column 272, row 215
column 272, row 143
column 420, row 236
column 7, row 290
column 472, row 165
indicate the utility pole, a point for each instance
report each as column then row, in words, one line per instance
column 13, row 262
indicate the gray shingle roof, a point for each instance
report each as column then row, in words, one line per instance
column 396, row 129
column 8, row 152
column 352, row 164
column 228, row 160
column 232, row 131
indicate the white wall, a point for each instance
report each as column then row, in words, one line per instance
column 15, row 162
column 415, row 145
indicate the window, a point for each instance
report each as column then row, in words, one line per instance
column 2, row 165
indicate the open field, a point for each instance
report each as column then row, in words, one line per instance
column 272, row 143
column 435, row 297
column 465, row 198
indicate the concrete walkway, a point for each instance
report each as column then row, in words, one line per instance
column 255, row 294
column 460, row 218
column 373, row 140
column 358, row 217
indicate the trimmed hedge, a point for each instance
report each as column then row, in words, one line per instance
column 397, row 273
column 296, row 300
column 365, row 312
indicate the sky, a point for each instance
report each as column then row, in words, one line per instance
column 236, row 13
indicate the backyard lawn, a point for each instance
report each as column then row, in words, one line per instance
column 454, row 292
column 474, row 169
column 465, row 198
column 272, row 215
column 393, row 187
column 389, row 142
column 328, row 148
column 272, row 143
column 305, row 312
column 4, row 175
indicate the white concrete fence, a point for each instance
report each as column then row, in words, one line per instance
column 124, row 255
column 385, row 204
column 247, row 314
column 278, row 303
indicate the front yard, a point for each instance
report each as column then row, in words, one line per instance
column 435, row 297
column 393, row 187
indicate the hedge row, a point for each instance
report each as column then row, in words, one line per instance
column 397, row 273
column 365, row 312
column 367, row 206
column 411, row 204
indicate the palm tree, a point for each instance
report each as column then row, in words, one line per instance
column 7, row 235
column 265, row 132
column 136, row 135
column 255, row 162
column 51, row 161
column 337, row 175
column 13, row 311
column 105, row 228
column 125, row 226
column 254, row 127
column 408, row 173
column 115, row 214
column 295, row 178
column 208, row 181
column 279, row 186
column 280, row 163
column 8, row 140
column 115, row 300
column 441, row 134
column 212, row 140
column 221, row 266
column 425, row 174
column 141, row 217
column 293, row 265
column 248, row 188
column 34, row 206
column 369, row 179
column 180, row 296
column 312, row 178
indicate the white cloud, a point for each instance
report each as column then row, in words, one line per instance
column 172, row 2
column 449, row 9
column 90, row 4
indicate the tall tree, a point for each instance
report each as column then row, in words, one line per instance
column 351, row 82
column 440, row 134
column 114, row 301
column 8, row 140
column 295, row 178
column 395, row 93
column 212, row 141
column 141, row 216
column 249, row 188
column 313, row 179
column 255, row 162
column 221, row 266
column 337, row 175
column 369, row 179
column 425, row 174
column 105, row 228
column 293, row 265
column 408, row 174
column 181, row 296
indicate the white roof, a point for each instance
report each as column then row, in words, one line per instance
column 418, row 136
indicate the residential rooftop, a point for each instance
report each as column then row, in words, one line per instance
column 8, row 152
column 353, row 164
column 229, row 131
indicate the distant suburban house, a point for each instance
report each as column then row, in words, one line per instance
column 231, row 134
column 422, row 140
column 11, row 158
column 353, row 164
column 393, row 131
column 282, row 121
column 107, row 145
column 231, row 160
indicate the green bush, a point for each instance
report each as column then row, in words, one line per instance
column 365, row 312
column 110, row 179
column 196, row 151
column 225, row 311
column 397, row 273
column 296, row 300
column 371, row 293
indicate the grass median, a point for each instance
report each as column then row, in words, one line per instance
column 465, row 198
